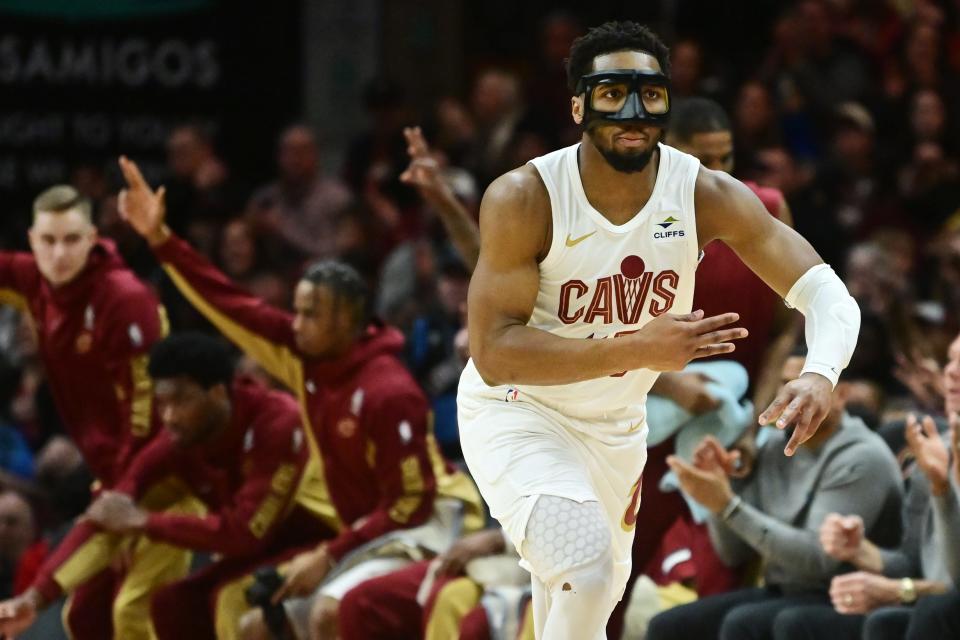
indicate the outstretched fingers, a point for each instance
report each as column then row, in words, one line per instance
column 776, row 409
column 131, row 173
column 807, row 421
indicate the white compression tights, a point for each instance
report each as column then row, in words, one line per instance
column 567, row 545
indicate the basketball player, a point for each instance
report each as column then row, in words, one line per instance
column 95, row 323
column 582, row 293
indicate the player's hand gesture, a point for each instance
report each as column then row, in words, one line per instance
column 424, row 171
column 142, row 207
column 17, row 614
column 930, row 452
column 802, row 404
column 669, row 342
column 116, row 512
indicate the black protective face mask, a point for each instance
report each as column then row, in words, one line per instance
column 622, row 96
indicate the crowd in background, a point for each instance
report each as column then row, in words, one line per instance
column 852, row 113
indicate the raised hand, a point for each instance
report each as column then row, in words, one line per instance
column 803, row 404
column 669, row 342
column 841, row 536
column 142, row 207
column 423, row 172
column 930, row 452
column 710, row 487
column 710, row 455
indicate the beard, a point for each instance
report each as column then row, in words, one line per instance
column 633, row 161
column 627, row 162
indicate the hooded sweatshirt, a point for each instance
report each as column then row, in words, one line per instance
column 368, row 422
column 94, row 335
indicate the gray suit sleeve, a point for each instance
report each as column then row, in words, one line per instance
column 946, row 524
column 730, row 547
column 853, row 488
column 904, row 561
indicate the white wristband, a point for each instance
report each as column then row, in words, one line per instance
column 832, row 320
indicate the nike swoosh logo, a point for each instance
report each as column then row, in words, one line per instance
column 571, row 242
column 635, row 427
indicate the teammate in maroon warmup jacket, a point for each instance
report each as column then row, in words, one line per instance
column 240, row 448
column 368, row 420
column 700, row 127
column 95, row 324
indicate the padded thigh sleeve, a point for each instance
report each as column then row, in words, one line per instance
column 564, row 534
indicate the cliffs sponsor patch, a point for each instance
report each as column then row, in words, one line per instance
column 669, row 230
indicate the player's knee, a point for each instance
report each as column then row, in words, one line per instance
column 592, row 578
column 252, row 626
column 569, row 545
column 163, row 604
column 357, row 607
column 323, row 618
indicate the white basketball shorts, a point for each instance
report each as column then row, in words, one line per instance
column 518, row 449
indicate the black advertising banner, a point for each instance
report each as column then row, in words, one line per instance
column 82, row 81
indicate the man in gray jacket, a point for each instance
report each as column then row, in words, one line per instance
column 874, row 603
column 775, row 515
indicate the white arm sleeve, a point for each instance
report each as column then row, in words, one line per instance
column 832, row 320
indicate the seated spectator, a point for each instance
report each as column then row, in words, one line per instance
column 775, row 514
column 432, row 356
column 936, row 617
column 17, row 533
column 200, row 189
column 874, row 602
column 15, row 456
column 299, row 212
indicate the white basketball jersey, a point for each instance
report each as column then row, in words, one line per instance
column 600, row 280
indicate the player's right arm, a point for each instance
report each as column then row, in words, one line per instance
column 19, row 278
column 515, row 231
column 264, row 332
column 85, row 550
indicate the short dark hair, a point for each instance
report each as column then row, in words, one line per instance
column 691, row 116
column 206, row 360
column 611, row 37
column 60, row 198
column 346, row 283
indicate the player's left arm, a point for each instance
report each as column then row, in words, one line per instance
column 728, row 211
column 258, row 508
column 135, row 320
column 407, row 486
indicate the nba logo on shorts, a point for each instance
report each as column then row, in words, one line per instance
column 512, row 394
